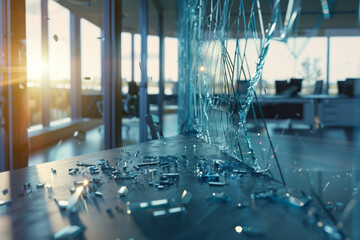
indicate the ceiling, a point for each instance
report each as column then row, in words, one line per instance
column 344, row 14
column 131, row 10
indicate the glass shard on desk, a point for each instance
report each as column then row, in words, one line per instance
column 242, row 205
column 169, row 212
column 146, row 205
column 332, row 232
column 285, row 195
column 99, row 194
column 27, row 187
column 2, row 202
column 63, row 204
column 73, row 199
column 123, row 191
column 40, row 185
column 186, row 197
column 219, row 197
column 68, row 232
column 219, row 184
column 253, row 232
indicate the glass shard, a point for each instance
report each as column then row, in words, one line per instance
column 99, row 194
column 169, row 212
column 286, row 195
column 219, row 184
column 72, row 201
column 186, row 197
column 68, row 232
column 63, row 204
column 80, row 135
column 2, row 202
column 27, row 187
column 123, row 191
column 40, row 185
column 253, row 232
column 219, row 197
column 132, row 207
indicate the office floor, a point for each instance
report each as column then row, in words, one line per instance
column 94, row 142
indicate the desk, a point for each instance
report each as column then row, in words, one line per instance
column 339, row 110
column 298, row 109
column 342, row 111
column 37, row 216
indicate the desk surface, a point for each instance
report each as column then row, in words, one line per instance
column 35, row 215
column 308, row 96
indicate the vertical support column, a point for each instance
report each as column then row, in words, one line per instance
column 328, row 67
column 75, row 68
column 2, row 100
column 143, row 85
column 15, row 91
column 161, row 69
column 111, row 73
column 132, row 57
column 45, row 78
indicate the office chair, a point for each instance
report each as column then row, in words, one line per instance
column 296, row 82
column 280, row 86
column 341, row 87
column 155, row 127
column 319, row 87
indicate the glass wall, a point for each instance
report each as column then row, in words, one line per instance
column 170, row 65
column 35, row 66
column 137, row 52
column 299, row 58
column 90, row 57
column 153, row 64
column 344, row 60
column 59, row 61
column 126, row 60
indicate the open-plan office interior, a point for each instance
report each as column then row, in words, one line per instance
column 170, row 119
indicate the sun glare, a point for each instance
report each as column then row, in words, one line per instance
column 36, row 68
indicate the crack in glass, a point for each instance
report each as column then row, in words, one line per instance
column 217, row 78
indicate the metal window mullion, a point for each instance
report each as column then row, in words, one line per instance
column 328, row 66
column 111, row 73
column 132, row 57
column 46, row 88
column 75, row 66
column 143, row 84
column 8, row 90
column 161, row 69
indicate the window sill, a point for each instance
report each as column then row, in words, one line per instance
column 46, row 136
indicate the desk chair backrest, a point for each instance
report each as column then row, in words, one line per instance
column 319, row 87
column 155, row 127
column 281, row 86
column 296, row 82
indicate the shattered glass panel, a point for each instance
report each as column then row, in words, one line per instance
column 217, row 80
